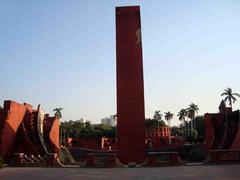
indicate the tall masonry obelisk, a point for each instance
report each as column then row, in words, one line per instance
column 130, row 89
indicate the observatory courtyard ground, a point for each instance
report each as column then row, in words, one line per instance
column 181, row 172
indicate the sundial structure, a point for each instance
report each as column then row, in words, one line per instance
column 130, row 88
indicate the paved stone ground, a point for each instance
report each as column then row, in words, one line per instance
column 216, row 172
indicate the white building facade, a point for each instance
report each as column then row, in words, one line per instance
column 110, row 121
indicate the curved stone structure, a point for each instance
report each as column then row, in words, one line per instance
column 28, row 131
column 223, row 130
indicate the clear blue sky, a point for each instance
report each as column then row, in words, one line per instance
column 61, row 53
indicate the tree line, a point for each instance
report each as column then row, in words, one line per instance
column 191, row 125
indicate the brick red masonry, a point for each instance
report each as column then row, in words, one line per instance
column 222, row 131
column 130, row 90
column 12, row 116
column 54, row 136
column 90, row 143
column 19, row 132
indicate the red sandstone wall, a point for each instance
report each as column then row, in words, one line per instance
column 130, row 90
column 54, row 135
column 209, row 133
column 89, row 143
column 29, row 107
column 13, row 115
column 19, row 130
column 51, row 130
column 1, row 126
column 221, row 134
column 236, row 142
column 24, row 143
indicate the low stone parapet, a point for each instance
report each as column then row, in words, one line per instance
column 101, row 160
column 223, row 156
column 158, row 159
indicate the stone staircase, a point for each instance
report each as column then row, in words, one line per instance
column 21, row 159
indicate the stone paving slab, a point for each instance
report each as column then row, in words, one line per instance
column 216, row 172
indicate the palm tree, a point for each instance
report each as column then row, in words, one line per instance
column 230, row 96
column 192, row 111
column 58, row 113
column 157, row 116
column 168, row 116
column 182, row 114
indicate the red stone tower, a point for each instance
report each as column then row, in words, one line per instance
column 130, row 89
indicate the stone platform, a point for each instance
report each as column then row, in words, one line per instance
column 224, row 156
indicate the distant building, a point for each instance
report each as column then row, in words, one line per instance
column 160, row 137
column 110, row 121
column 162, row 131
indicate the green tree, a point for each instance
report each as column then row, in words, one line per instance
column 230, row 96
column 176, row 131
column 194, row 135
column 105, row 130
column 77, row 129
column 157, row 116
column 200, row 127
column 192, row 111
column 168, row 117
column 58, row 113
column 152, row 123
column 182, row 114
